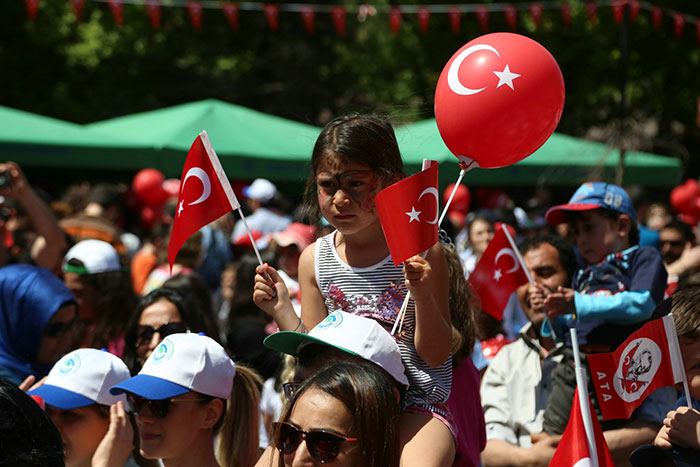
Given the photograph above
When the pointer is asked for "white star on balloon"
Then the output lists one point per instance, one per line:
(497, 274)
(413, 215)
(506, 77)
(179, 210)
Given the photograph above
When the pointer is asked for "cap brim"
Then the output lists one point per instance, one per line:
(557, 214)
(150, 387)
(289, 342)
(61, 398)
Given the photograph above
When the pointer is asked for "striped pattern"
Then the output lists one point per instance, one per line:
(377, 292)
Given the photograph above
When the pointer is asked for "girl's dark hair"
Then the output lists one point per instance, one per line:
(368, 140)
(189, 314)
(27, 435)
(461, 308)
(192, 285)
(368, 394)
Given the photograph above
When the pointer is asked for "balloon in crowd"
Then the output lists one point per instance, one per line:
(148, 187)
(498, 99)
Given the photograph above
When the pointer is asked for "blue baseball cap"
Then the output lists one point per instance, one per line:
(594, 195)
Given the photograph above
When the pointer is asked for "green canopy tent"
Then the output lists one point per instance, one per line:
(249, 143)
(561, 161)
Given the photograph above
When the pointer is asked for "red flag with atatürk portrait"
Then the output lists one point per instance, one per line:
(409, 213)
(205, 194)
(497, 274)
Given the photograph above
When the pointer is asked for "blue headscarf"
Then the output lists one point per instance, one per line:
(29, 297)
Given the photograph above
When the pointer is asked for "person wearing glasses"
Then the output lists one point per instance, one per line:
(346, 415)
(680, 254)
(94, 425)
(187, 392)
(37, 313)
(162, 312)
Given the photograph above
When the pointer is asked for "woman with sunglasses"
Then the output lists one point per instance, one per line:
(345, 416)
(37, 313)
(162, 312)
(188, 391)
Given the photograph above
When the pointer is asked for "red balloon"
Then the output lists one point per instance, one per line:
(151, 216)
(684, 198)
(171, 187)
(148, 186)
(498, 99)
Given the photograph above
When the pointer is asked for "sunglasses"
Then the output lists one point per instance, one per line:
(673, 243)
(323, 446)
(290, 389)
(158, 407)
(60, 328)
(144, 333)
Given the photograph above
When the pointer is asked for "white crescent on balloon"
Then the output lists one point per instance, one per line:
(507, 252)
(433, 191)
(453, 73)
(206, 184)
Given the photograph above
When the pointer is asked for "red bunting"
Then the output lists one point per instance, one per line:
(618, 10)
(78, 8)
(656, 14)
(395, 19)
(231, 13)
(592, 9)
(482, 15)
(195, 11)
(678, 24)
(308, 16)
(698, 97)
(455, 15)
(272, 12)
(697, 29)
(423, 18)
(117, 9)
(566, 14)
(536, 13)
(511, 16)
(338, 14)
(32, 6)
(634, 10)
(153, 9)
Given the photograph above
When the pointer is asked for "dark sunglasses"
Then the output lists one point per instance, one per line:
(323, 446)
(673, 243)
(144, 333)
(159, 407)
(60, 328)
(290, 389)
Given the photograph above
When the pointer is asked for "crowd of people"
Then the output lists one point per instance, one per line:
(224, 359)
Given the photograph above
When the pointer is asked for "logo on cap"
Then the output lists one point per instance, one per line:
(332, 320)
(70, 365)
(164, 351)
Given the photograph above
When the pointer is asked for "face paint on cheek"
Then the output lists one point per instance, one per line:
(366, 199)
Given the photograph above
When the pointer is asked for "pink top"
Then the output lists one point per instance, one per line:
(465, 405)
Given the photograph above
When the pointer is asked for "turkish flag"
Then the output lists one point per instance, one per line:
(409, 213)
(195, 11)
(647, 360)
(497, 274)
(338, 14)
(572, 449)
(308, 15)
(117, 9)
(205, 194)
(423, 18)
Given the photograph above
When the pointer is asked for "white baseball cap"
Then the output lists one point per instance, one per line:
(95, 255)
(83, 377)
(260, 190)
(182, 363)
(350, 333)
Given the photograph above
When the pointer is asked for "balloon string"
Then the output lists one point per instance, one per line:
(454, 190)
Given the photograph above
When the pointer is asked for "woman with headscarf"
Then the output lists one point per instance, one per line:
(37, 312)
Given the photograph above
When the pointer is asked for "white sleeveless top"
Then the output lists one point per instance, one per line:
(377, 292)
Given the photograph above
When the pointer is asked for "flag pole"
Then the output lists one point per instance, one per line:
(223, 179)
(582, 386)
(527, 273)
(674, 351)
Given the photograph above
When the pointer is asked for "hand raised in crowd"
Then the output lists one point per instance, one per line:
(18, 185)
(681, 427)
(418, 274)
(535, 296)
(115, 448)
(560, 302)
(688, 261)
(270, 293)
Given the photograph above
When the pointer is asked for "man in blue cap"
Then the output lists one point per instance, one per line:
(612, 295)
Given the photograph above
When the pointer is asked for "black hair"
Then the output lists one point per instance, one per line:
(27, 435)
(684, 229)
(192, 285)
(567, 256)
(368, 140)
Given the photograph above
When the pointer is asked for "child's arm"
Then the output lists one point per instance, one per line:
(313, 306)
(270, 294)
(428, 282)
(683, 427)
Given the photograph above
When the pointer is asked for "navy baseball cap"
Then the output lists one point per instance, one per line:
(594, 195)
